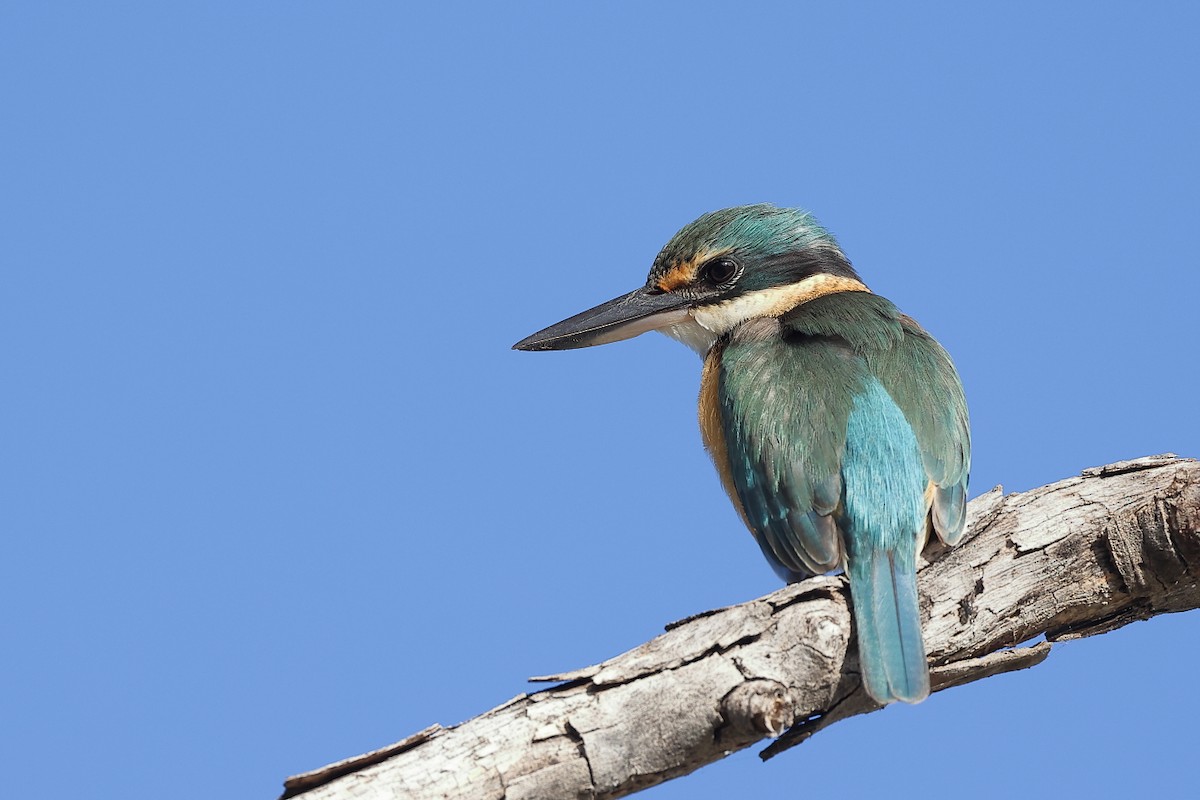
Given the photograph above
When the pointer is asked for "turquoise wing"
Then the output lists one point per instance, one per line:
(784, 407)
(920, 376)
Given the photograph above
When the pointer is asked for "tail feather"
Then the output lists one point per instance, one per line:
(883, 588)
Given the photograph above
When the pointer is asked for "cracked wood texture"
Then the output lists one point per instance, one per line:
(1079, 557)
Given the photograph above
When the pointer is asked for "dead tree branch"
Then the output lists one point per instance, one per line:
(1076, 558)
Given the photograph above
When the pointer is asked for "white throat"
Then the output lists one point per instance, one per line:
(693, 334)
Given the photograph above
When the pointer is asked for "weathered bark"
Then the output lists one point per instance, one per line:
(1076, 558)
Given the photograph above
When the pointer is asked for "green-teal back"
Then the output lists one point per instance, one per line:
(848, 439)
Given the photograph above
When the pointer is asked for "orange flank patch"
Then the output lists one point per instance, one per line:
(711, 430)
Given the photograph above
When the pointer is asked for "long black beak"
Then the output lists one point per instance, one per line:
(623, 318)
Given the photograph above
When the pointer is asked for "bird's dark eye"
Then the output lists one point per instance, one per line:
(720, 270)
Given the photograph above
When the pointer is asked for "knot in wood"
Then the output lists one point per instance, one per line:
(756, 708)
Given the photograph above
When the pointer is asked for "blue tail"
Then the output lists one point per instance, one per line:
(883, 517)
(883, 588)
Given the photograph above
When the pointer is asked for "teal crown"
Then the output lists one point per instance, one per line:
(777, 245)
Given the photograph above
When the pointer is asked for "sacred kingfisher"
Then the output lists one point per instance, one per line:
(837, 424)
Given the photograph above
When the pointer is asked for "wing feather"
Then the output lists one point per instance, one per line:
(784, 448)
(785, 392)
(920, 376)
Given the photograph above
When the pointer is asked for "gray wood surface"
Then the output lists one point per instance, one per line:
(1076, 558)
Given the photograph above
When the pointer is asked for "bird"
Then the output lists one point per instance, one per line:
(838, 426)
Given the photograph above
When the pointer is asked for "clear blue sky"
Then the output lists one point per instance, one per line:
(275, 490)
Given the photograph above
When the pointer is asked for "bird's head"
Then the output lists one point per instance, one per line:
(723, 269)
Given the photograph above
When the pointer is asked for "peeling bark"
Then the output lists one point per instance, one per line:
(1076, 558)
